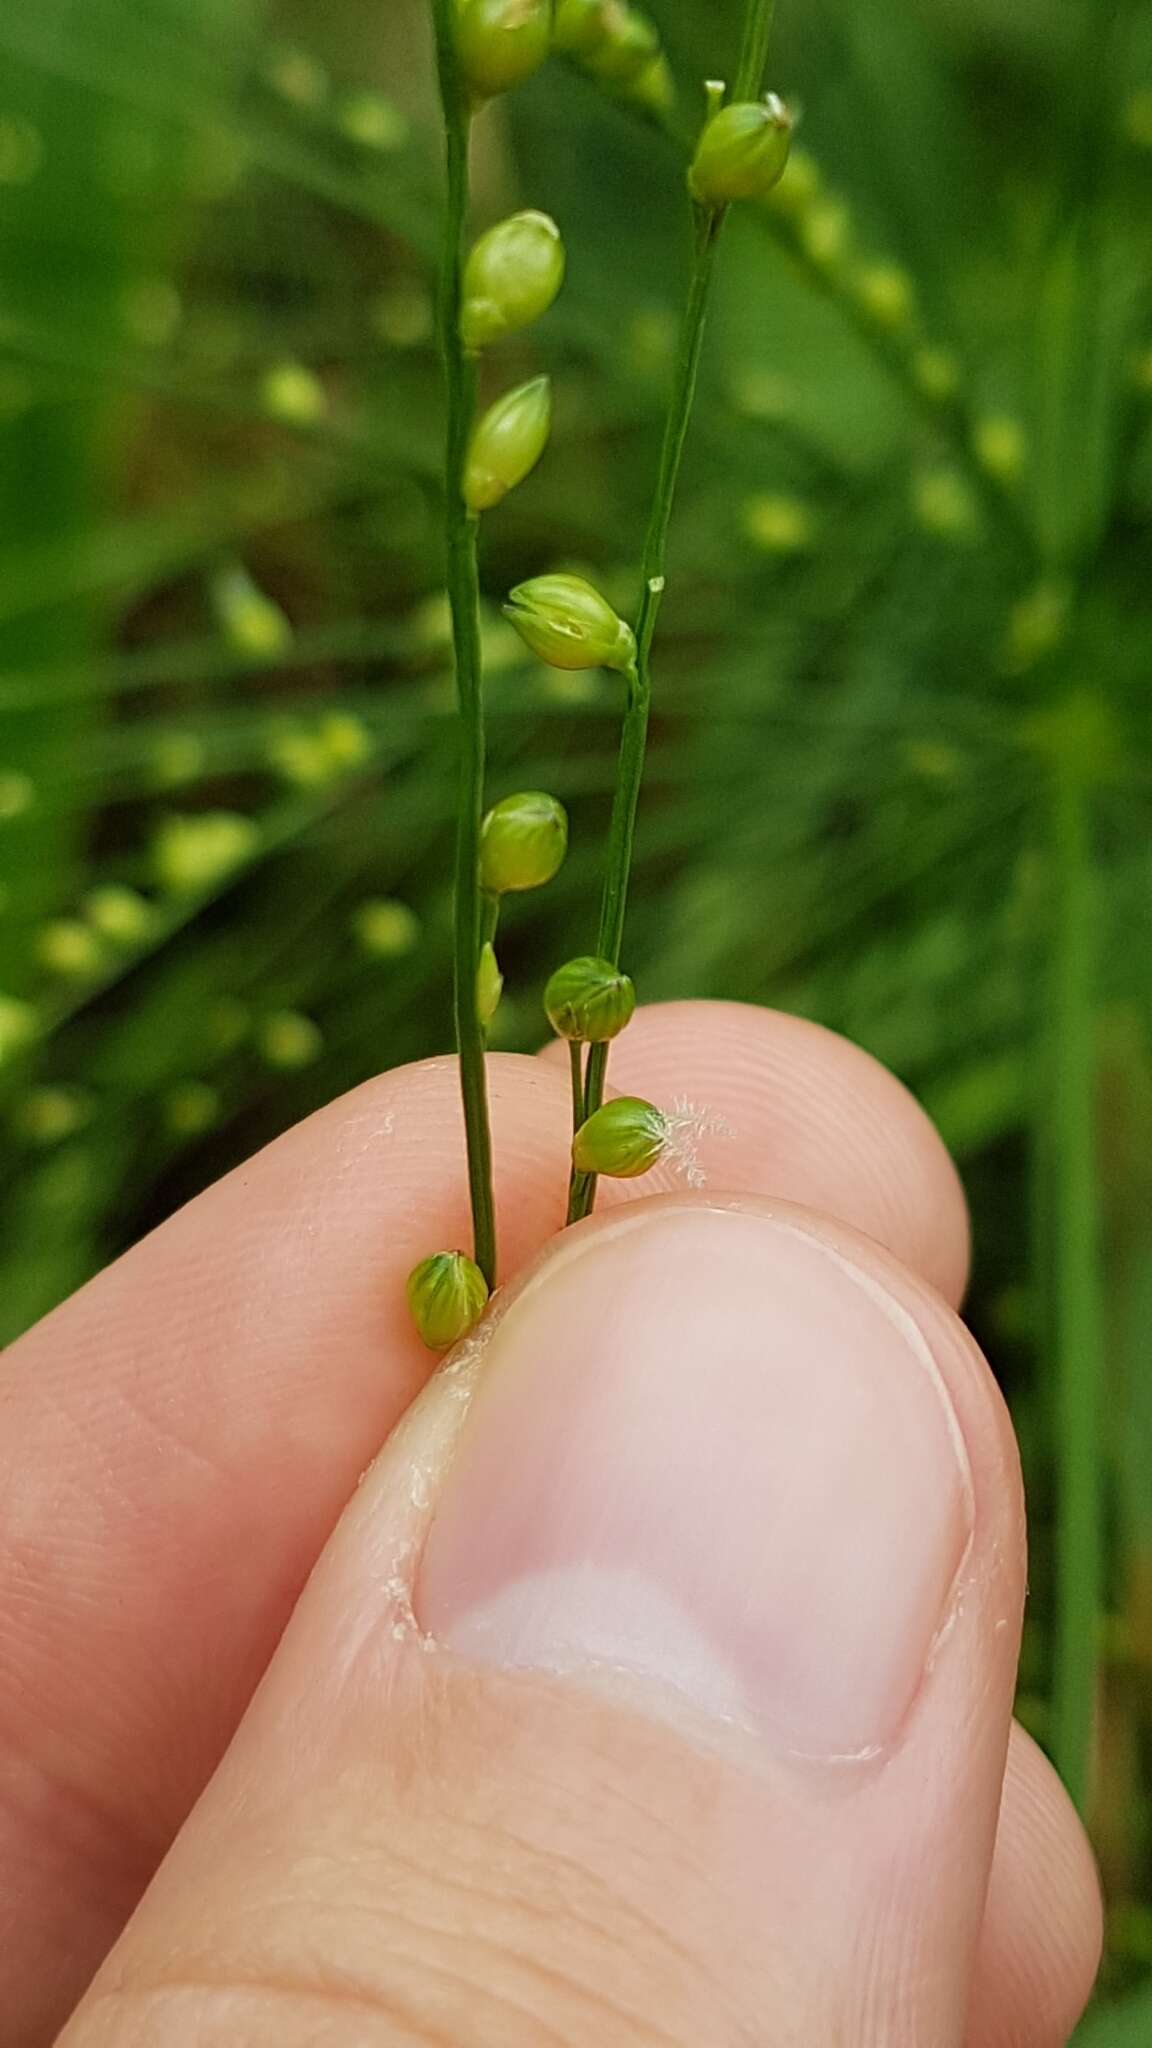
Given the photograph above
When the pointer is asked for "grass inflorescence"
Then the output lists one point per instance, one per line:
(512, 275)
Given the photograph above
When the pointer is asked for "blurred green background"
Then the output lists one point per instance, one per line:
(901, 775)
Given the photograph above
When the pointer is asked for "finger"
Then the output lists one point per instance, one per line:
(691, 1594)
(1043, 1923)
(792, 1109)
(181, 1436)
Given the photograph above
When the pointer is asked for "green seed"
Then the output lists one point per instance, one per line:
(446, 1295)
(741, 153)
(193, 853)
(589, 1001)
(289, 1040)
(500, 43)
(653, 88)
(523, 841)
(507, 444)
(385, 928)
(580, 25)
(68, 947)
(18, 1022)
(253, 626)
(119, 914)
(489, 985)
(628, 47)
(512, 276)
(607, 37)
(568, 624)
(623, 1139)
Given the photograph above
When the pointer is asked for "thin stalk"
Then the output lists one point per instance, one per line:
(951, 416)
(576, 1064)
(634, 737)
(464, 597)
(1077, 1294)
(754, 50)
(707, 225)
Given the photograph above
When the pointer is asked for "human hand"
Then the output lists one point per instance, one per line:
(654, 1687)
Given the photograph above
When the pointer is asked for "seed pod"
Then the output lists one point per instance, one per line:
(18, 1023)
(579, 26)
(66, 946)
(511, 278)
(507, 444)
(196, 852)
(293, 394)
(119, 914)
(253, 626)
(289, 1040)
(623, 1139)
(1000, 446)
(385, 928)
(626, 46)
(568, 624)
(741, 153)
(653, 87)
(446, 1295)
(523, 841)
(489, 985)
(589, 1001)
(608, 38)
(500, 43)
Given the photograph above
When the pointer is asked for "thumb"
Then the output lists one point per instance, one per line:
(657, 1680)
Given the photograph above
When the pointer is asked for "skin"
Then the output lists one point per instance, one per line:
(366, 1843)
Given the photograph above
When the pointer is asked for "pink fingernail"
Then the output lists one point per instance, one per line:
(708, 1451)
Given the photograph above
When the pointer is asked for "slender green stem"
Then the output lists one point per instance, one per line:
(634, 736)
(464, 596)
(754, 50)
(622, 831)
(576, 1063)
(1079, 1331)
(950, 414)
